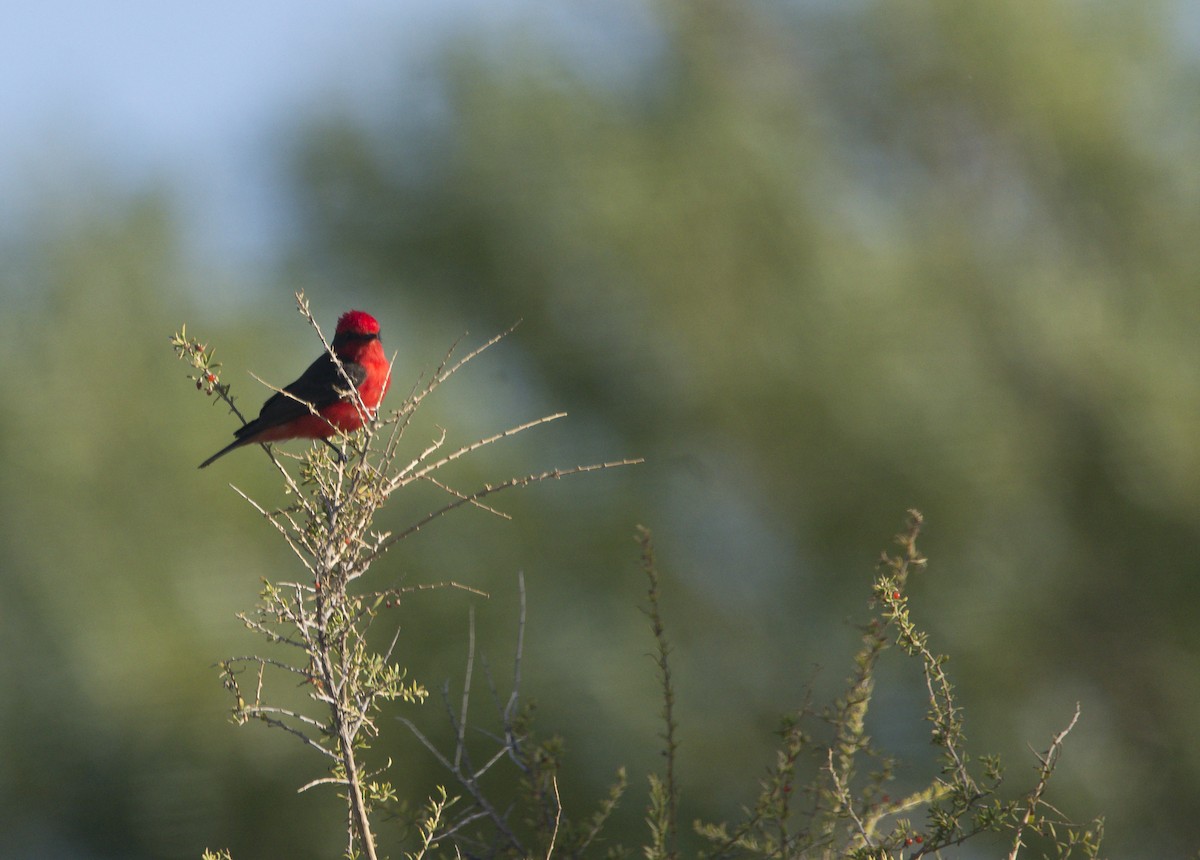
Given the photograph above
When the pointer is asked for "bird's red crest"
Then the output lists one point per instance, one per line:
(357, 322)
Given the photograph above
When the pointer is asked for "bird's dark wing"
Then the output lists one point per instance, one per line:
(319, 385)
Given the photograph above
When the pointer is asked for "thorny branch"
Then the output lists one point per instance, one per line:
(328, 527)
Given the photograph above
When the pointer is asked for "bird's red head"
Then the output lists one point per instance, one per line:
(357, 322)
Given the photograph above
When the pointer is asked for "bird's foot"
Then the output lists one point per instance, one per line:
(338, 452)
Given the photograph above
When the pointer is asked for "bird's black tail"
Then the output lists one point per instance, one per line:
(236, 443)
(244, 435)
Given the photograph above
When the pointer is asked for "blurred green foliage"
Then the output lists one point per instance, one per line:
(816, 262)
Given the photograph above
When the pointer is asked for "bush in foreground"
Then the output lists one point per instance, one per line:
(825, 796)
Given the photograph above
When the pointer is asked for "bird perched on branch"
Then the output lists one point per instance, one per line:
(320, 404)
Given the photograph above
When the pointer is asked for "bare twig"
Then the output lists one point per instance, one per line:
(461, 745)
(490, 489)
(1046, 762)
(510, 710)
(404, 477)
(557, 816)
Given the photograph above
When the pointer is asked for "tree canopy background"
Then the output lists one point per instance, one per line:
(816, 262)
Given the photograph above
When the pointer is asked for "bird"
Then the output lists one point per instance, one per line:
(357, 346)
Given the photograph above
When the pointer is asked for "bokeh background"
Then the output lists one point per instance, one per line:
(817, 262)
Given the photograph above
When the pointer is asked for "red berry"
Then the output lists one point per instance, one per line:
(920, 839)
(895, 595)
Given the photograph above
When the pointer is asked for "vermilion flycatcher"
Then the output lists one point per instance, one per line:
(356, 343)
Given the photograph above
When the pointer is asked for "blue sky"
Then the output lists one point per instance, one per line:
(198, 94)
(202, 96)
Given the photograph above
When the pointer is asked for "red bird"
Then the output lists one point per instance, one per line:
(356, 343)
